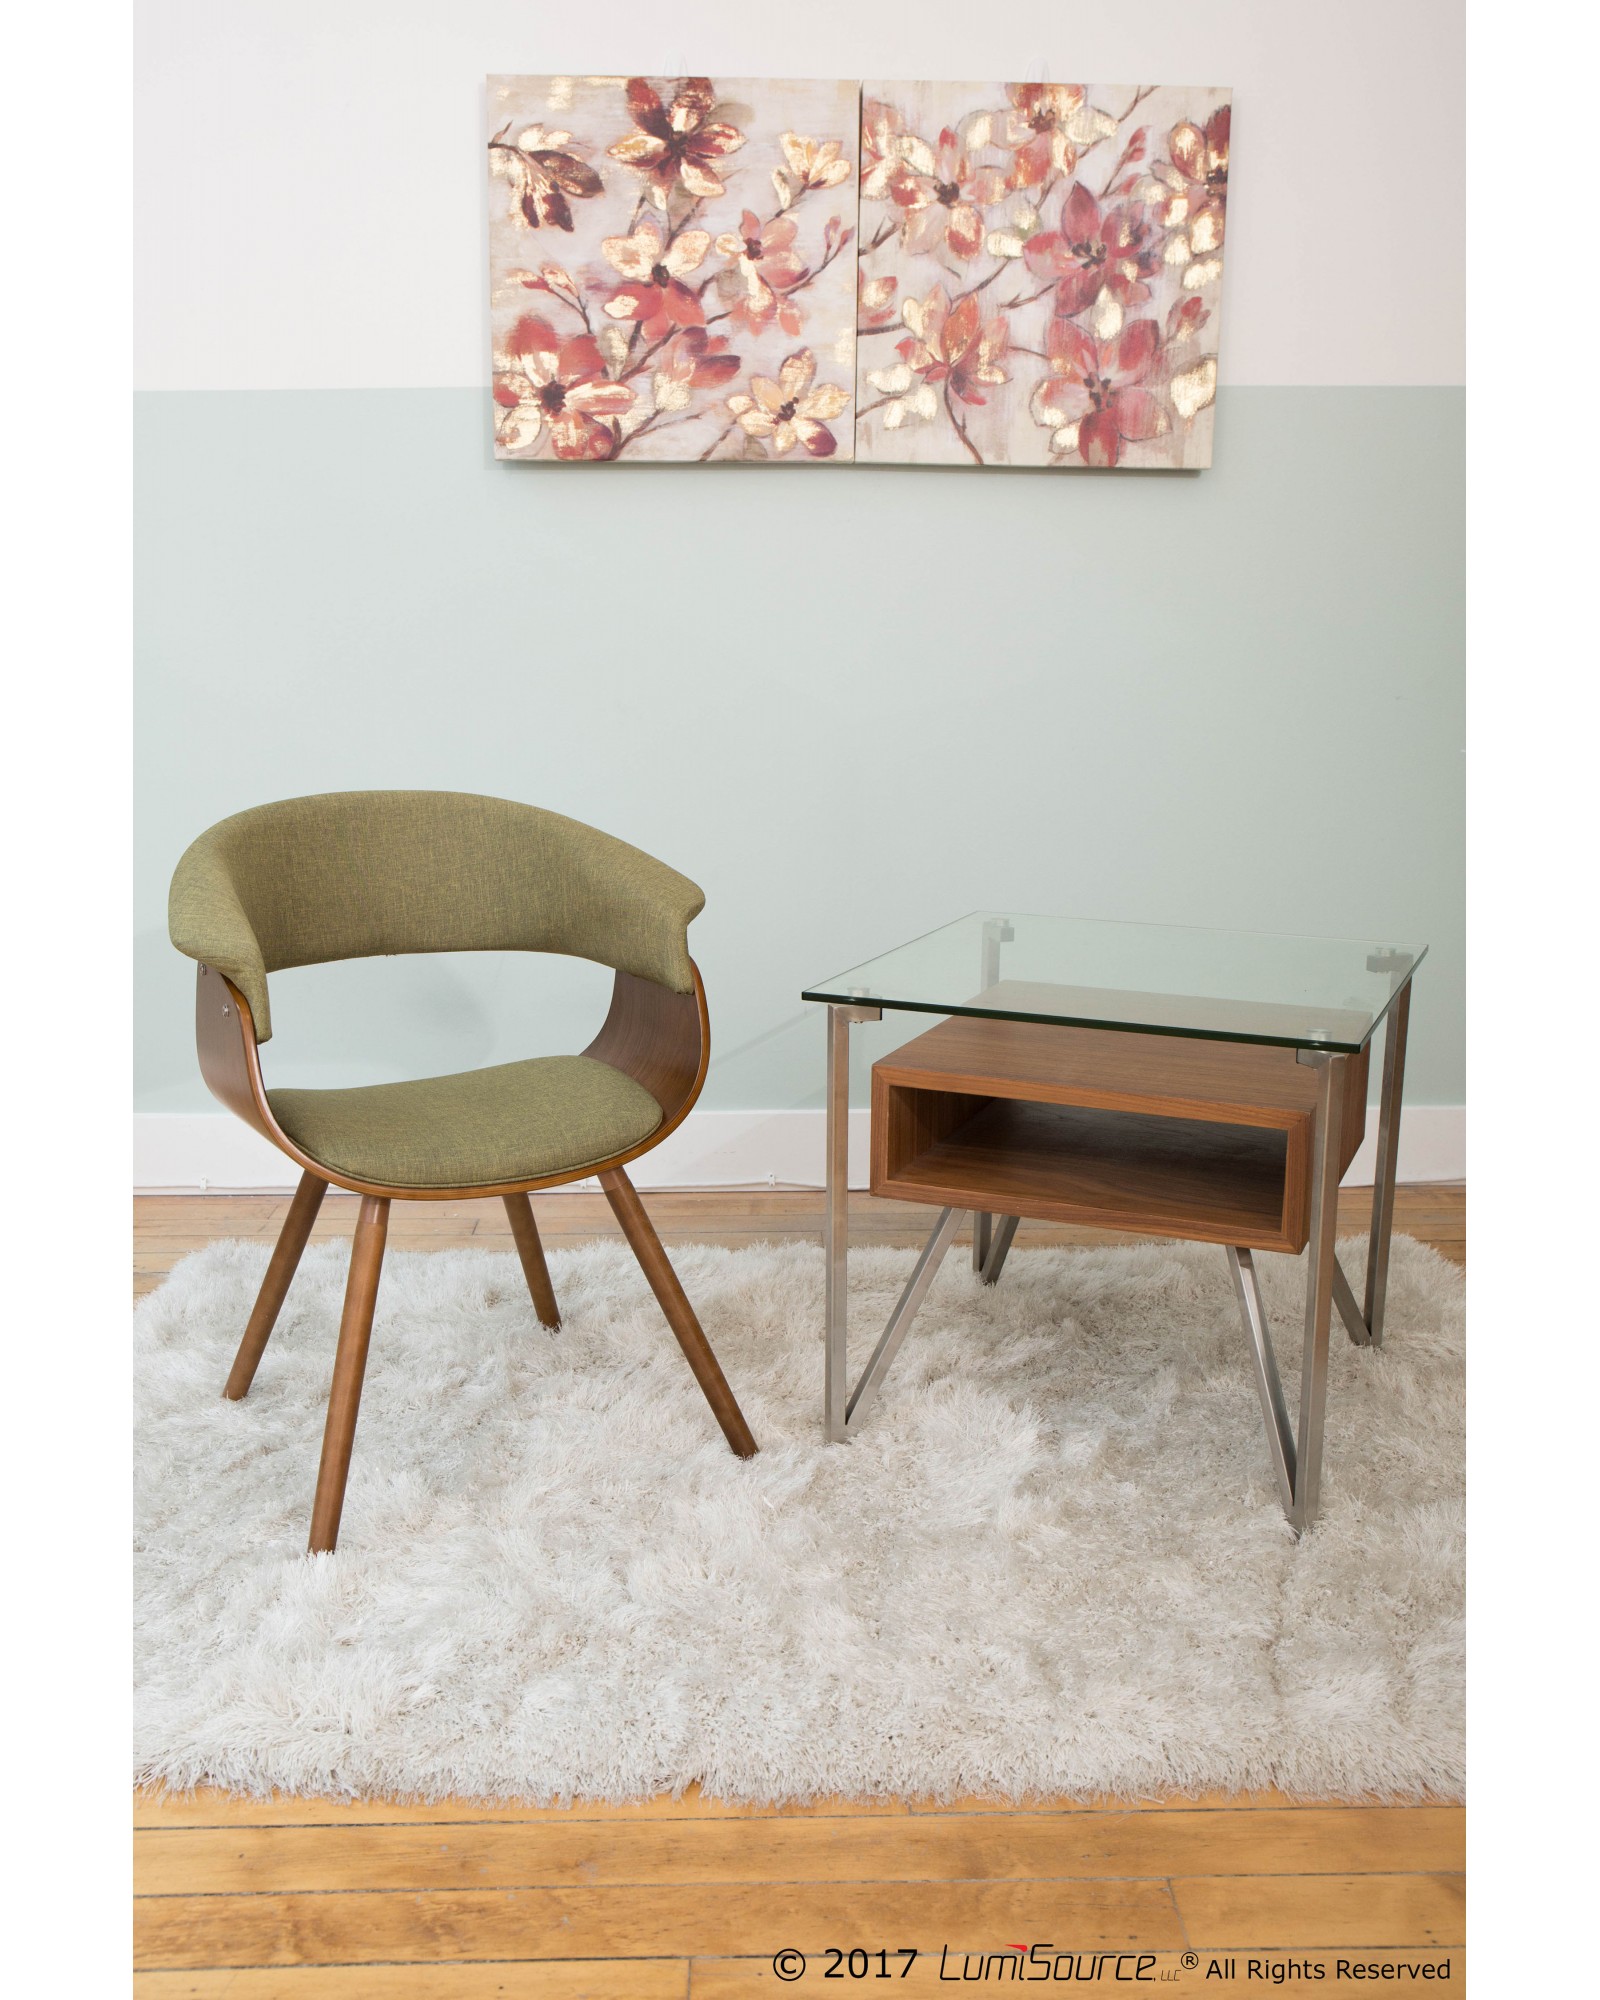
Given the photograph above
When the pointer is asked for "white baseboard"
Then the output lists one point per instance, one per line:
(211, 1152)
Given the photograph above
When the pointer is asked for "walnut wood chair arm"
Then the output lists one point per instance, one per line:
(230, 1063)
(661, 1039)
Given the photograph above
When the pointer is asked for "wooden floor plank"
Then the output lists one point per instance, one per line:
(169, 1227)
(541, 1979)
(1167, 1802)
(1222, 1911)
(911, 1848)
(721, 1920)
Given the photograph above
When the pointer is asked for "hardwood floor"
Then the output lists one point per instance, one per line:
(167, 1227)
(689, 1899)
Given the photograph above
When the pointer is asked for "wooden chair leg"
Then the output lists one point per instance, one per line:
(531, 1251)
(646, 1246)
(350, 1365)
(275, 1285)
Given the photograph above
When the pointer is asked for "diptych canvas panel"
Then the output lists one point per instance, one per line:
(791, 272)
(1041, 270)
(672, 268)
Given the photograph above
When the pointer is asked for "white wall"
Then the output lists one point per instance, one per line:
(1231, 698)
(309, 177)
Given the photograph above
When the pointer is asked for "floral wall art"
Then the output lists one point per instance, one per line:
(782, 272)
(1041, 269)
(672, 268)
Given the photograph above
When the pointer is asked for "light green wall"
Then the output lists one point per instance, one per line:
(850, 703)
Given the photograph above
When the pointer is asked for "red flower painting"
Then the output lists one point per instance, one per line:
(1055, 252)
(699, 268)
(702, 303)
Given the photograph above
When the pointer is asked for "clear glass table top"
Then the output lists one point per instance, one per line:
(1162, 979)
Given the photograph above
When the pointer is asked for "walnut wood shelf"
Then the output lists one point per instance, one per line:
(1152, 1134)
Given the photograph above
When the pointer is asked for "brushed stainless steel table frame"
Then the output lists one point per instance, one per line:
(1296, 1456)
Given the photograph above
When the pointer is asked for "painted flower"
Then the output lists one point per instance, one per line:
(691, 360)
(790, 411)
(543, 174)
(943, 195)
(1094, 400)
(881, 131)
(875, 300)
(1038, 129)
(762, 265)
(540, 379)
(906, 395)
(953, 347)
(1201, 156)
(680, 146)
(1185, 321)
(655, 268)
(1093, 251)
(1189, 196)
(812, 163)
(1193, 387)
(1016, 229)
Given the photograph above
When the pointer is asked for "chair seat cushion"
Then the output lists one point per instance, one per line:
(514, 1122)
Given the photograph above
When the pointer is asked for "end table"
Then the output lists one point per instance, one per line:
(1168, 1081)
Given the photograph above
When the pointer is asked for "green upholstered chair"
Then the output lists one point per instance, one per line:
(358, 874)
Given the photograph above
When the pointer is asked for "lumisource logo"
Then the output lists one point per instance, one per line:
(1018, 1963)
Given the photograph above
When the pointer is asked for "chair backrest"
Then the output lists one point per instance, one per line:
(359, 874)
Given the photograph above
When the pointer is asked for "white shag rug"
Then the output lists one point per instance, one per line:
(1053, 1563)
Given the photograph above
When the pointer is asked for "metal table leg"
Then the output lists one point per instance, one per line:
(997, 1248)
(923, 1273)
(1274, 1411)
(1383, 1180)
(842, 1408)
(1319, 1286)
(836, 1217)
(996, 932)
(1297, 1464)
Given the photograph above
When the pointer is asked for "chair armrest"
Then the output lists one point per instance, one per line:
(225, 1041)
(207, 922)
(661, 1039)
(630, 911)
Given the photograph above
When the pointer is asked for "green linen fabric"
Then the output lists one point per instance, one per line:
(513, 1122)
(360, 874)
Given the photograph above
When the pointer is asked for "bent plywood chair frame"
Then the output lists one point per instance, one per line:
(659, 1038)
